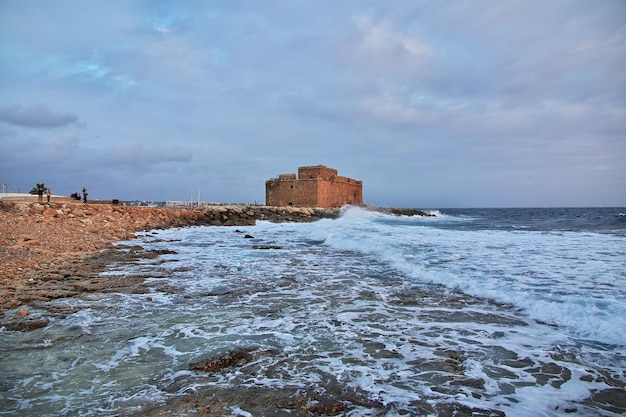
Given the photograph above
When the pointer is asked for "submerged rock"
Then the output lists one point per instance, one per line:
(236, 357)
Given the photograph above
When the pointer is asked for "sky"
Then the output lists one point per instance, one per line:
(431, 104)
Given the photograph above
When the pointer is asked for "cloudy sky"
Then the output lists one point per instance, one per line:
(431, 104)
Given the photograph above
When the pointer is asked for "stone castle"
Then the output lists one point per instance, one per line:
(315, 186)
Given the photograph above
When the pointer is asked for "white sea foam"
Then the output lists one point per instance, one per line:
(569, 279)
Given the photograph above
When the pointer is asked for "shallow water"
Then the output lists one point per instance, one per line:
(407, 315)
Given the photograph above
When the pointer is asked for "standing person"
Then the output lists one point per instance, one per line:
(48, 194)
(40, 192)
(84, 195)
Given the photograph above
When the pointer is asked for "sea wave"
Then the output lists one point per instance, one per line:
(564, 278)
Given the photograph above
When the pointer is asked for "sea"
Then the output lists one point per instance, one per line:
(516, 312)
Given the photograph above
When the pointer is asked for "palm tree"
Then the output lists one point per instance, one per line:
(38, 187)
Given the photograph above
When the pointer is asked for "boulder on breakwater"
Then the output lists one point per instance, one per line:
(403, 211)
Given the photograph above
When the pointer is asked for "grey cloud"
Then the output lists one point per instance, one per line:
(140, 156)
(463, 97)
(37, 116)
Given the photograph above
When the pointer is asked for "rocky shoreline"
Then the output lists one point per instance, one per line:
(57, 250)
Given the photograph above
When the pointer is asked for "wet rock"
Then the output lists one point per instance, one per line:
(26, 325)
(237, 357)
(378, 350)
(477, 383)
(453, 361)
(613, 400)
(461, 410)
(326, 398)
(402, 211)
(326, 406)
(518, 363)
(587, 378)
(551, 373)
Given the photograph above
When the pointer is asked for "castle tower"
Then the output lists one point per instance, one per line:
(315, 186)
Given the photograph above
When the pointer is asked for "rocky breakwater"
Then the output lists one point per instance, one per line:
(56, 250)
(248, 215)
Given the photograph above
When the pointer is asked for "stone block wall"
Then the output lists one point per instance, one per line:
(320, 172)
(339, 191)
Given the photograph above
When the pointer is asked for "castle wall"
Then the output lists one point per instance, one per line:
(340, 191)
(316, 186)
(295, 193)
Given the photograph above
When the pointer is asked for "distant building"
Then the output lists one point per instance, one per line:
(191, 204)
(315, 186)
